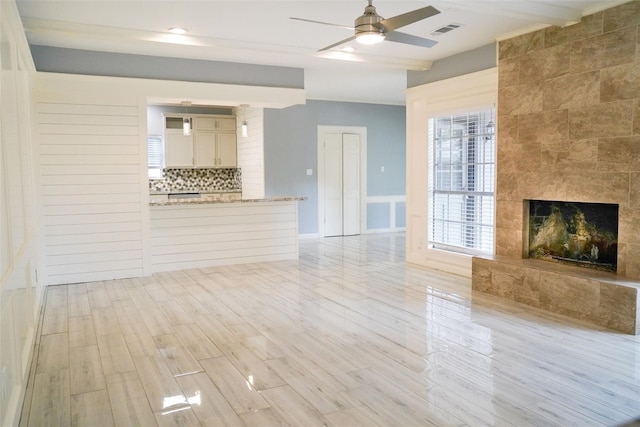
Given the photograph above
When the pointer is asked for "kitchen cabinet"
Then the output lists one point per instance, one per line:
(212, 143)
(214, 123)
(215, 149)
(178, 149)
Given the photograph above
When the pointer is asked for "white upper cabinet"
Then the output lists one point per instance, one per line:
(227, 150)
(178, 149)
(212, 142)
(206, 148)
(215, 149)
(215, 123)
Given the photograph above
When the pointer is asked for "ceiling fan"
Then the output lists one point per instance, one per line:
(371, 28)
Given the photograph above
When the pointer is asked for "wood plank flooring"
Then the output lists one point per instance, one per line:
(348, 335)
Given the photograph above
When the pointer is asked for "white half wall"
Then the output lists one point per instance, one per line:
(208, 235)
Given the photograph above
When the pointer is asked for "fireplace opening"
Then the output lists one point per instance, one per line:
(583, 234)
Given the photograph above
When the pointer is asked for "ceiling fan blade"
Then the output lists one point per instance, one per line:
(337, 44)
(398, 37)
(398, 21)
(323, 23)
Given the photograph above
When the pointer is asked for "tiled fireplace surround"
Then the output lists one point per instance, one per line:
(569, 129)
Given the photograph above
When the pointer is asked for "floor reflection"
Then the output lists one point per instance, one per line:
(348, 335)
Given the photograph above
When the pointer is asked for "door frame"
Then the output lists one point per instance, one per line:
(362, 132)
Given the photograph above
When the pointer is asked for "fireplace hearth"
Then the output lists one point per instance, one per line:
(581, 234)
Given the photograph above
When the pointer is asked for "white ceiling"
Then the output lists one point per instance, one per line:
(260, 32)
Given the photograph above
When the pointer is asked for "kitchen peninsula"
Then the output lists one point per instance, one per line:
(199, 217)
(200, 233)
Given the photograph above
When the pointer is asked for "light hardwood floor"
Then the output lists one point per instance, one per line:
(349, 335)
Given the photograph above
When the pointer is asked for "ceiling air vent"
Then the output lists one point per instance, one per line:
(443, 30)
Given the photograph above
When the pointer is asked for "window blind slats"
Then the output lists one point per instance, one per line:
(155, 154)
(461, 184)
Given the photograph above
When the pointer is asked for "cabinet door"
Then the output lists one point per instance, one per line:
(227, 153)
(204, 123)
(205, 142)
(178, 149)
(226, 124)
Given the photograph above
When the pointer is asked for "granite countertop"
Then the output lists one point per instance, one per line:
(217, 202)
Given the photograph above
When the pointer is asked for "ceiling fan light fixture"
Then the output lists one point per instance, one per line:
(371, 28)
(367, 26)
(369, 38)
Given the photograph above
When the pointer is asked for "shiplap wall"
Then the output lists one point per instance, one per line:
(91, 131)
(251, 152)
(199, 235)
(90, 163)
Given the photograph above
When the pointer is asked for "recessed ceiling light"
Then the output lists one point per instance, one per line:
(178, 30)
(348, 49)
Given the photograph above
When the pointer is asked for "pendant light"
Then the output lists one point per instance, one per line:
(186, 126)
(186, 121)
(245, 126)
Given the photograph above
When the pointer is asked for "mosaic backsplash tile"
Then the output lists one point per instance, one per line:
(198, 180)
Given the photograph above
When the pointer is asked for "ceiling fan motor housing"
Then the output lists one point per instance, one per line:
(367, 23)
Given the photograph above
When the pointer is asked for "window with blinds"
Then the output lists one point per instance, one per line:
(155, 153)
(461, 182)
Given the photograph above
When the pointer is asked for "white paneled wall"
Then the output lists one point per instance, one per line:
(200, 235)
(90, 163)
(20, 292)
(391, 202)
(251, 152)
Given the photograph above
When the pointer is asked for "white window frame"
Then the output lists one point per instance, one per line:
(471, 92)
(476, 188)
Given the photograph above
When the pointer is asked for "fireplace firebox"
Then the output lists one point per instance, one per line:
(582, 234)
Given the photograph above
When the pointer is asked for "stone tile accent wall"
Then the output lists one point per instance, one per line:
(197, 180)
(569, 125)
(576, 292)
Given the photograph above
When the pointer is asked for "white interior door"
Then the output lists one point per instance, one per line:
(341, 184)
(333, 184)
(350, 184)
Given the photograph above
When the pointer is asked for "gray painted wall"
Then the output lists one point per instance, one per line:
(76, 61)
(290, 145)
(479, 59)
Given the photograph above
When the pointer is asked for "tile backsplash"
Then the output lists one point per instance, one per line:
(198, 180)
